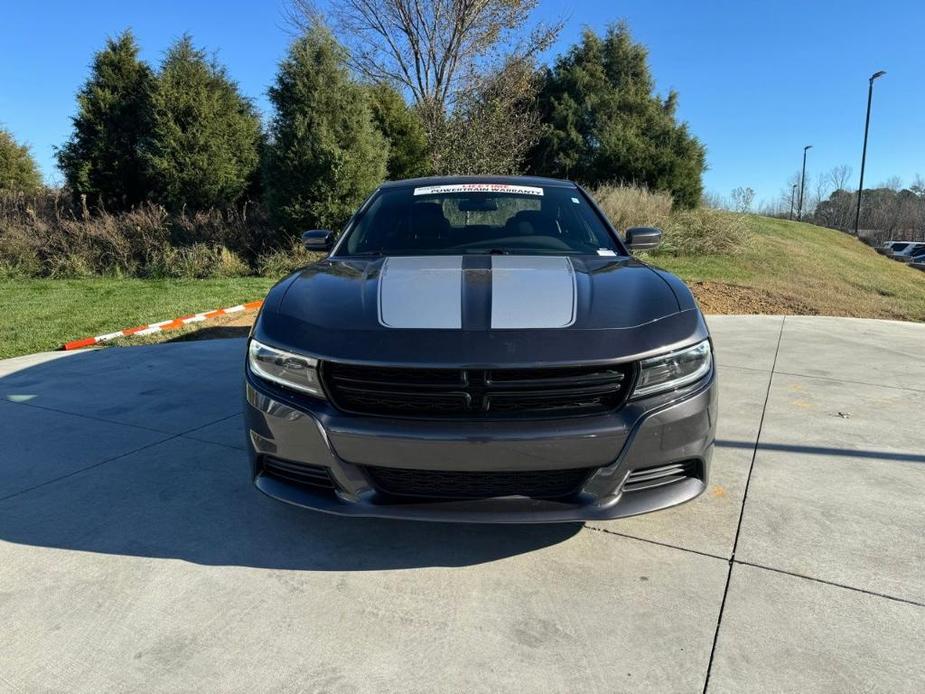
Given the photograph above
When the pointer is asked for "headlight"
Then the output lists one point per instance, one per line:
(291, 370)
(674, 370)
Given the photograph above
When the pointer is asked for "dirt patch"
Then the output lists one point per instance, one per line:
(719, 297)
(235, 325)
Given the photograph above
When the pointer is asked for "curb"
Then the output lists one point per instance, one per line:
(149, 328)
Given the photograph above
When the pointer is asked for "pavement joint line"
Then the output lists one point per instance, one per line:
(744, 368)
(742, 562)
(873, 593)
(656, 542)
(748, 480)
(92, 417)
(239, 449)
(239, 413)
(845, 380)
(88, 467)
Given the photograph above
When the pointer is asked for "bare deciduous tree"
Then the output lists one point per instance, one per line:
(493, 125)
(468, 66)
(918, 185)
(894, 183)
(820, 193)
(839, 177)
(432, 48)
(789, 195)
(742, 198)
(713, 200)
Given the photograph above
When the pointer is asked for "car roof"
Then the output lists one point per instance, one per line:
(503, 180)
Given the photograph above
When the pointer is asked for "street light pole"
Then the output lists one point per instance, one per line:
(793, 194)
(802, 184)
(870, 96)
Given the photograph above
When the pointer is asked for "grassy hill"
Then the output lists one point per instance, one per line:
(798, 268)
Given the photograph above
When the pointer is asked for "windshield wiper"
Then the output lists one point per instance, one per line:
(491, 251)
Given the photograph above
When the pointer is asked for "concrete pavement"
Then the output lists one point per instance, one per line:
(134, 555)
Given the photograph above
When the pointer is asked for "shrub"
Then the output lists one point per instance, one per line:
(325, 155)
(101, 159)
(605, 123)
(203, 149)
(18, 171)
(402, 129)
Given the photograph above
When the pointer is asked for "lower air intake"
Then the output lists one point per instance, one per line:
(443, 484)
(300, 473)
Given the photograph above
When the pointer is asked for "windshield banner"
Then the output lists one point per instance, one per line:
(479, 188)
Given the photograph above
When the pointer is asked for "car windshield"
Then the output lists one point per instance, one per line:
(486, 218)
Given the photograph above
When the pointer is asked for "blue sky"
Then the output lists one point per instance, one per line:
(757, 81)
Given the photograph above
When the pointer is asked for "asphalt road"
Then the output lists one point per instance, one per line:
(135, 556)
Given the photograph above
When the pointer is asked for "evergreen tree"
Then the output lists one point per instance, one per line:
(203, 150)
(605, 123)
(402, 129)
(101, 159)
(18, 170)
(325, 155)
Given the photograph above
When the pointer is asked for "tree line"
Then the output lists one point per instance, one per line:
(368, 92)
(888, 210)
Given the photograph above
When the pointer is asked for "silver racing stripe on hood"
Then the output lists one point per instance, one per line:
(421, 292)
(532, 292)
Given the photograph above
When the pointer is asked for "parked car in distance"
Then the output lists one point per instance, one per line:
(887, 247)
(481, 349)
(917, 256)
(905, 253)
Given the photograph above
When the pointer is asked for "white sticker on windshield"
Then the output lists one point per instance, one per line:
(576, 201)
(479, 188)
(605, 251)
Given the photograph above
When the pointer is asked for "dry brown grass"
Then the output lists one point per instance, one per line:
(633, 206)
(278, 262)
(686, 232)
(43, 236)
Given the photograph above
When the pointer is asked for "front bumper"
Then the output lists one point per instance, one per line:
(648, 433)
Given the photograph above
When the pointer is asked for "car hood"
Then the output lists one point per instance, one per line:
(477, 310)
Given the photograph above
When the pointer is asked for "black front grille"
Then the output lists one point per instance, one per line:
(477, 393)
(647, 478)
(300, 473)
(449, 484)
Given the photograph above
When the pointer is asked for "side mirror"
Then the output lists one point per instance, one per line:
(318, 240)
(643, 238)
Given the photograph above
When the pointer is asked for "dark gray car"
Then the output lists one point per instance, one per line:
(485, 350)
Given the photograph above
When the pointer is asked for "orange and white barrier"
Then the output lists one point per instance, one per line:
(163, 325)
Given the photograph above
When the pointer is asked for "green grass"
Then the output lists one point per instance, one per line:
(39, 314)
(827, 271)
